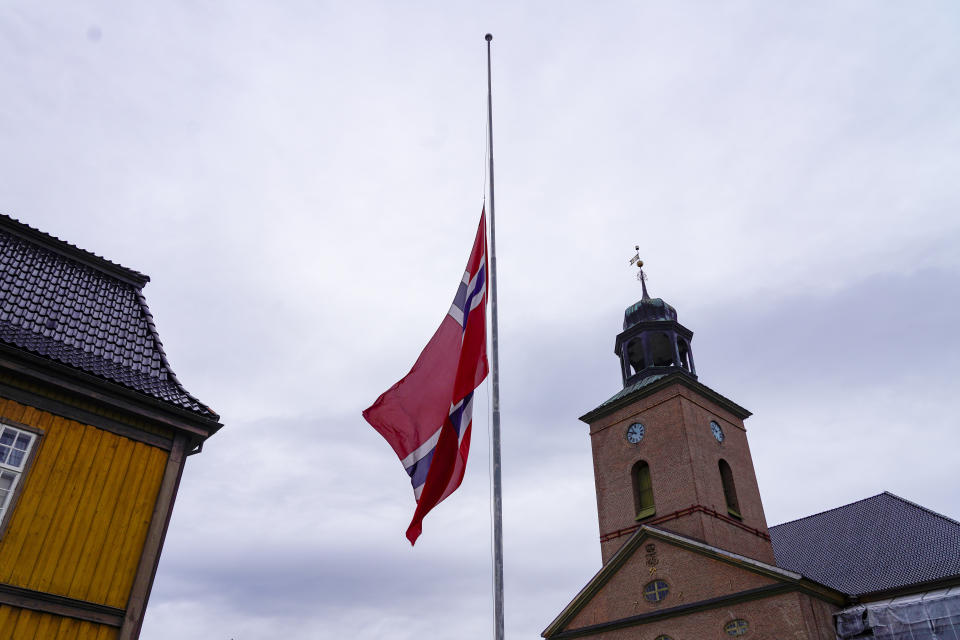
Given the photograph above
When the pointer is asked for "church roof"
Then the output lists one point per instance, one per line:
(73, 307)
(876, 544)
(655, 382)
(629, 390)
(648, 310)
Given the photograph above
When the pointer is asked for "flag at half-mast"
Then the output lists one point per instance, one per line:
(426, 417)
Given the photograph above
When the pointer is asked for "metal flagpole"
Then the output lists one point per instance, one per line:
(495, 380)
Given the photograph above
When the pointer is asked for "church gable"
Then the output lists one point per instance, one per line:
(657, 571)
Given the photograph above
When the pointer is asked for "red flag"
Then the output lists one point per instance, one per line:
(427, 416)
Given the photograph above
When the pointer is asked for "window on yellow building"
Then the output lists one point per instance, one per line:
(15, 447)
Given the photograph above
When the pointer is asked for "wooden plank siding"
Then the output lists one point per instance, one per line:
(23, 624)
(80, 521)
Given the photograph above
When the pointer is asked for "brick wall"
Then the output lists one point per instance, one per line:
(779, 617)
(683, 457)
(693, 578)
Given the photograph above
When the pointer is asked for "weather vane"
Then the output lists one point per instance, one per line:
(641, 276)
(637, 261)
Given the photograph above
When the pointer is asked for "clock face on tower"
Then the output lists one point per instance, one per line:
(635, 433)
(717, 431)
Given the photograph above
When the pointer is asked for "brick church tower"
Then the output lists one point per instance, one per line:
(684, 540)
(669, 451)
(683, 537)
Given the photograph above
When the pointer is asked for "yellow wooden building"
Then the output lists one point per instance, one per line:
(94, 432)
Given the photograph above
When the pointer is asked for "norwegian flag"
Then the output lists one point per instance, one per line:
(426, 416)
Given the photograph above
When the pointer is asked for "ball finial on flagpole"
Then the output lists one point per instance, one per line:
(488, 37)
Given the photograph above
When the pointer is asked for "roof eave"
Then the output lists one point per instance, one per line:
(916, 587)
(52, 243)
(678, 377)
(89, 387)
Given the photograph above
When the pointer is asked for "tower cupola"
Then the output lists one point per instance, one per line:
(652, 343)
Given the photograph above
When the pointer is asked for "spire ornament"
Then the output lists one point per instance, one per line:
(653, 342)
(641, 276)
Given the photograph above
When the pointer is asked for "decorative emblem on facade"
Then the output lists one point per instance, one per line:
(651, 553)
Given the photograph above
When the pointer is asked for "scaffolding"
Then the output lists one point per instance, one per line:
(932, 615)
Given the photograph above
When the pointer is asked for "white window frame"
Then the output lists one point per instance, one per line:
(19, 470)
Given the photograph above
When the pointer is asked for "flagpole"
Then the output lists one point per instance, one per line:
(495, 383)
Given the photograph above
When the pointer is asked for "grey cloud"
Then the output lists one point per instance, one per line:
(297, 181)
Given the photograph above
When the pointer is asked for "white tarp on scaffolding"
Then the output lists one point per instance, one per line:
(933, 615)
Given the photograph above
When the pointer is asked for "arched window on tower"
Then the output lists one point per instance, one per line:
(642, 490)
(729, 490)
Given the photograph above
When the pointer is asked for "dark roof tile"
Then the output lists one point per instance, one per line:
(875, 544)
(73, 307)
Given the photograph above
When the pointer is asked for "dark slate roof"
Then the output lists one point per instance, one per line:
(648, 310)
(656, 381)
(74, 307)
(876, 544)
(636, 386)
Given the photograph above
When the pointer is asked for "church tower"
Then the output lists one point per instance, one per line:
(668, 451)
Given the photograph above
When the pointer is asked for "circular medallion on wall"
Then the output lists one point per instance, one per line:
(656, 591)
(717, 430)
(635, 433)
(736, 627)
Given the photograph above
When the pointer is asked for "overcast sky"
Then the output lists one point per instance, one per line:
(302, 182)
